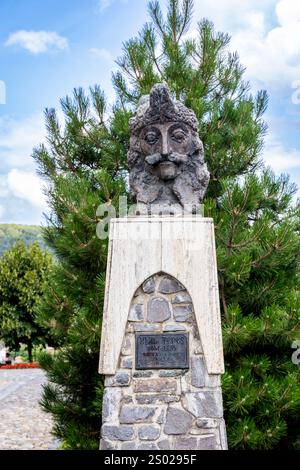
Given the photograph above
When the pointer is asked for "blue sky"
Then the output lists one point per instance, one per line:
(47, 48)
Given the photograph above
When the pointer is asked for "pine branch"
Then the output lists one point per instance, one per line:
(157, 17)
(188, 6)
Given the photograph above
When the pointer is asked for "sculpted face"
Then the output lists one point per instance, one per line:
(168, 174)
(165, 147)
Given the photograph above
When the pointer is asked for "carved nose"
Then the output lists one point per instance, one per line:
(165, 148)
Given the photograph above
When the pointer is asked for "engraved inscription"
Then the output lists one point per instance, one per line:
(162, 351)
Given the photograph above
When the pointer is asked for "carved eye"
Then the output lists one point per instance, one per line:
(178, 135)
(151, 138)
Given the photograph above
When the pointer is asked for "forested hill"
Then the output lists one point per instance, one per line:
(10, 233)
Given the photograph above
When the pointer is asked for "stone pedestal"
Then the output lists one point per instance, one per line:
(162, 280)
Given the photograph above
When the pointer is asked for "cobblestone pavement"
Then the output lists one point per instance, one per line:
(23, 425)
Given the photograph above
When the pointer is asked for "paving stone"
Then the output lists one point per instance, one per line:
(169, 285)
(120, 433)
(199, 373)
(149, 433)
(182, 298)
(161, 417)
(156, 398)
(155, 385)
(106, 445)
(158, 310)
(142, 373)
(134, 414)
(140, 327)
(23, 423)
(120, 379)
(185, 443)
(174, 328)
(205, 404)
(136, 313)
(164, 444)
(129, 446)
(196, 443)
(178, 421)
(111, 404)
(223, 435)
(146, 446)
(198, 348)
(149, 285)
(54, 445)
(183, 313)
(127, 399)
(127, 345)
(171, 373)
(206, 423)
(126, 362)
(208, 442)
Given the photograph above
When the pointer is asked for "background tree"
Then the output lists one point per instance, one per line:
(256, 224)
(11, 233)
(23, 271)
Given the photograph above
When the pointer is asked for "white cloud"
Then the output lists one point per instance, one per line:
(288, 11)
(272, 59)
(2, 92)
(4, 192)
(17, 139)
(104, 4)
(265, 35)
(37, 42)
(101, 53)
(280, 158)
(230, 15)
(26, 185)
(20, 188)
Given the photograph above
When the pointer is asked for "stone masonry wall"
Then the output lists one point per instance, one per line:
(178, 409)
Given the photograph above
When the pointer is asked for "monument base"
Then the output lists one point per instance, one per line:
(162, 353)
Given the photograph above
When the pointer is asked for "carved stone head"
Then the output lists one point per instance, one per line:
(167, 169)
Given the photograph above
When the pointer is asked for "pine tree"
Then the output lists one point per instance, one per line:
(256, 226)
(83, 165)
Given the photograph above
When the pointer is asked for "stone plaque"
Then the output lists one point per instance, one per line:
(162, 351)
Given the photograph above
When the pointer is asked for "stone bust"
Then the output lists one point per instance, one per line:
(166, 159)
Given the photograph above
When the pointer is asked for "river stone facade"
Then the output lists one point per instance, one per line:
(162, 409)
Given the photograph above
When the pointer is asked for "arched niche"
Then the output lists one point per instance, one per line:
(161, 305)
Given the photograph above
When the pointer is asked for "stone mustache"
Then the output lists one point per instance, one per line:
(168, 174)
